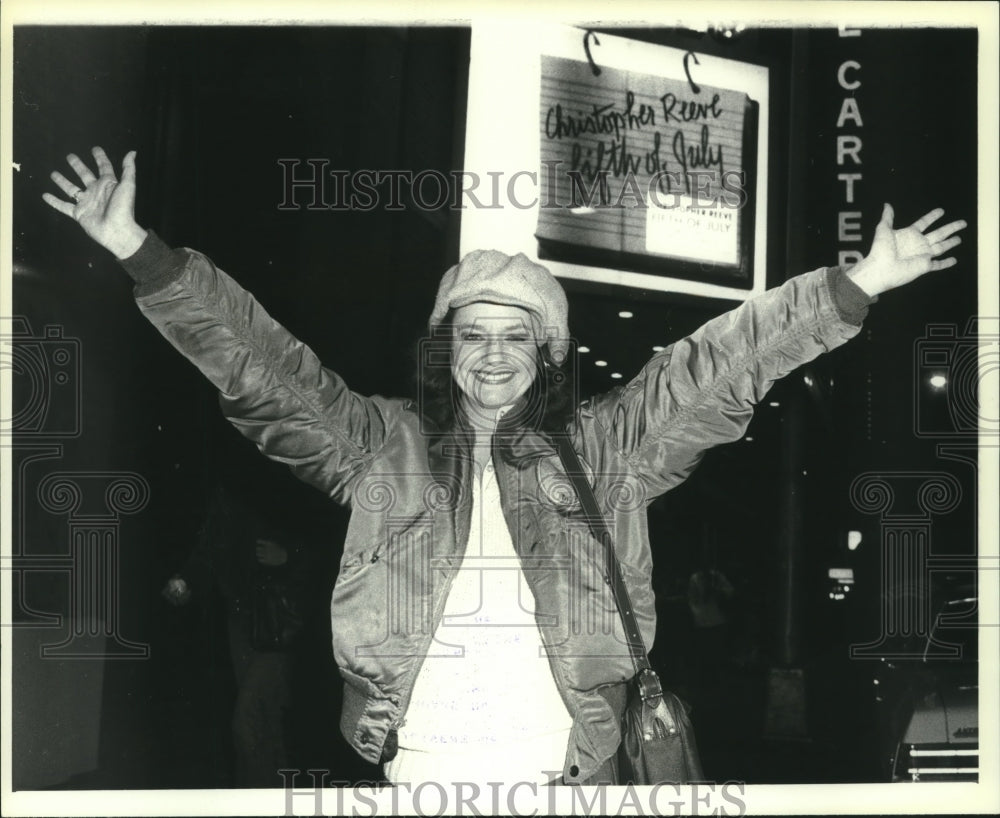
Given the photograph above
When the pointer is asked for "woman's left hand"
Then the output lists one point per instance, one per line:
(899, 256)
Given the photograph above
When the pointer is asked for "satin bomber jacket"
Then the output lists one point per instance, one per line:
(409, 489)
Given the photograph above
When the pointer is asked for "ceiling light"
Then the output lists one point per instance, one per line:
(658, 348)
(600, 363)
(625, 314)
(583, 349)
(616, 375)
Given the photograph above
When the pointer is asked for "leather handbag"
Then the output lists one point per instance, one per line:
(658, 744)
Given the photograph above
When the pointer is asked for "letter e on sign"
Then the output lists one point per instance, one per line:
(849, 225)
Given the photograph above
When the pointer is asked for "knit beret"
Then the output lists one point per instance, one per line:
(489, 275)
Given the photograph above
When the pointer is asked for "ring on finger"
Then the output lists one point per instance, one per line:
(76, 194)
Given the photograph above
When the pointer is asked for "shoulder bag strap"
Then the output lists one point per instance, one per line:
(599, 528)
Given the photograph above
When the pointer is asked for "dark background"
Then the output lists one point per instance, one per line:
(210, 112)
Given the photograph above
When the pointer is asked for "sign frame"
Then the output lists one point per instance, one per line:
(503, 149)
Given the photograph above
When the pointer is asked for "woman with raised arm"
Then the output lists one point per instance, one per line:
(472, 622)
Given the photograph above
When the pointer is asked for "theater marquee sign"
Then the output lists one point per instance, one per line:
(650, 167)
(649, 161)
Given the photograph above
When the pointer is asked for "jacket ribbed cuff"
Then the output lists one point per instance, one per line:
(154, 264)
(850, 300)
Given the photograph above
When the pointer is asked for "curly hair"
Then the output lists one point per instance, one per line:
(549, 405)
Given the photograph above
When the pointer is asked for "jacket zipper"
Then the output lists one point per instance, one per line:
(561, 684)
(404, 700)
(411, 680)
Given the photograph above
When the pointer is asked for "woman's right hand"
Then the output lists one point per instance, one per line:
(104, 207)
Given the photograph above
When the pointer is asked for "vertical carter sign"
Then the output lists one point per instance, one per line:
(639, 166)
(849, 155)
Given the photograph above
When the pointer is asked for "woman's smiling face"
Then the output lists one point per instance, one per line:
(494, 357)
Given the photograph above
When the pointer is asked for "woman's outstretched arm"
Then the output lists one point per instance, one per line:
(272, 387)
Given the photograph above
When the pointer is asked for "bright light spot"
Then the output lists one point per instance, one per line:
(749, 439)
(624, 314)
(853, 540)
(658, 349)
(774, 403)
(582, 211)
(600, 363)
(583, 349)
(938, 381)
(616, 375)
(808, 380)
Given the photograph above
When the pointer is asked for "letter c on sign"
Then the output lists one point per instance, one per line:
(842, 75)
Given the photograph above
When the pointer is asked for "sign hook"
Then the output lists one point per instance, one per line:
(687, 71)
(586, 47)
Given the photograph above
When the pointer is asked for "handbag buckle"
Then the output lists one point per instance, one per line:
(649, 685)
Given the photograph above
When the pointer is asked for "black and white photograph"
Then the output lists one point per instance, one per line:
(482, 409)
